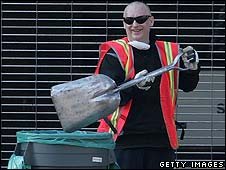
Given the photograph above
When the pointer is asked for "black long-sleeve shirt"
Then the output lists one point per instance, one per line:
(144, 126)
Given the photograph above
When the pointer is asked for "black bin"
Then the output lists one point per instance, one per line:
(60, 150)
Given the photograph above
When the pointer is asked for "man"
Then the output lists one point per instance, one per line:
(144, 125)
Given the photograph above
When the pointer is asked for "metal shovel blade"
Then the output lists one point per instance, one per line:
(82, 102)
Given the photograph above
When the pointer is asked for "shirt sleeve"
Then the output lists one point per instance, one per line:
(112, 68)
(188, 80)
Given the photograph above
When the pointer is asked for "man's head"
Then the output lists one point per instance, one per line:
(138, 21)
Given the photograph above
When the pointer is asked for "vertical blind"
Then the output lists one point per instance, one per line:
(48, 43)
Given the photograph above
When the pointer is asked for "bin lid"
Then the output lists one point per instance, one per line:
(76, 138)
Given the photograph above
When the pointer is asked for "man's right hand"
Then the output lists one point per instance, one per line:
(145, 84)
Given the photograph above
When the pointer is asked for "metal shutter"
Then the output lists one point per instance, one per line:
(47, 43)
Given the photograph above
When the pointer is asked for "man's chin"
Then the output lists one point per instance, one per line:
(137, 38)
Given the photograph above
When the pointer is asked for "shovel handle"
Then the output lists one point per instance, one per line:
(155, 72)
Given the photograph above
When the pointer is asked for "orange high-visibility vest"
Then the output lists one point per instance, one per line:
(168, 86)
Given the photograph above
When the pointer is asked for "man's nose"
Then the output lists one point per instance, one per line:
(135, 23)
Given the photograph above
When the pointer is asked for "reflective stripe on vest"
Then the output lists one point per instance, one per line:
(168, 89)
(168, 51)
(169, 57)
(128, 67)
(125, 54)
(126, 50)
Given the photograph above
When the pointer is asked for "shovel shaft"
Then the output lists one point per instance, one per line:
(140, 79)
(151, 74)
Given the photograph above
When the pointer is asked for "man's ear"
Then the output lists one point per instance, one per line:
(124, 25)
(152, 20)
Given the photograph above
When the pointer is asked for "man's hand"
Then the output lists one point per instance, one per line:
(145, 84)
(190, 58)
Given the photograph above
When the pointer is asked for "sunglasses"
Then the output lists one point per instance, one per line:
(140, 19)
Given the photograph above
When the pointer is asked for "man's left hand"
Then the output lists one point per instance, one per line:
(191, 59)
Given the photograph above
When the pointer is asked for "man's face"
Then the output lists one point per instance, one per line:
(136, 31)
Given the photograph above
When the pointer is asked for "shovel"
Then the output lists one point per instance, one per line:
(82, 102)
